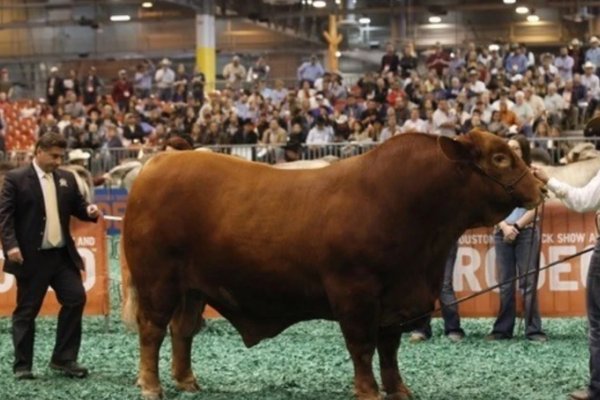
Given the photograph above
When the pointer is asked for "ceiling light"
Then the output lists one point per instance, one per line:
(522, 10)
(120, 18)
(319, 3)
(533, 18)
(509, 1)
(338, 54)
(147, 4)
(364, 20)
(434, 19)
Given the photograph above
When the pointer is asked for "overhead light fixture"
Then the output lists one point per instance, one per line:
(533, 18)
(319, 3)
(147, 4)
(509, 1)
(338, 54)
(364, 20)
(522, 10)
(434, 19)
(120, 18)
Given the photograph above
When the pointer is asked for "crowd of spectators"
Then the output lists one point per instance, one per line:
(505, 89)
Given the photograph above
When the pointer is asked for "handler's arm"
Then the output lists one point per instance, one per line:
(581, 199)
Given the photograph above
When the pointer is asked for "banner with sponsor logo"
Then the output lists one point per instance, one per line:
(90, 240)
(561, 288)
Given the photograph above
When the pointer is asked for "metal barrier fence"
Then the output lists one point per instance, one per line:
(103, 160)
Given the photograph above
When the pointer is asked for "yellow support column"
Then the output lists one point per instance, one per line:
(206, 58)
(333, 39)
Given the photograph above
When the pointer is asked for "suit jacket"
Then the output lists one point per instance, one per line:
(23, 217)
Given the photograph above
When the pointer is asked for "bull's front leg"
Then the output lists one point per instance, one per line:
(388, 343)
(356, 307)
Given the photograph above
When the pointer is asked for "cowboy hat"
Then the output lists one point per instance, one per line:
(77, 155)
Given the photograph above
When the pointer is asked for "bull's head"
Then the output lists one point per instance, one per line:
(500, 174)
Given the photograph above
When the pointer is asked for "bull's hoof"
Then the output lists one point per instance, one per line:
(188, 386)
(151, 395)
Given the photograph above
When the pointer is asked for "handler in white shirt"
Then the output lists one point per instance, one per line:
(583, 199)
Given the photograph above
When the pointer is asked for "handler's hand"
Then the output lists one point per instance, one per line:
(510, 233)
(15, 256)
(540, 174)
(93, 211)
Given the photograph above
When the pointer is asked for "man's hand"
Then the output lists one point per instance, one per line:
(93, 211)
(15, 256)
(540, 174)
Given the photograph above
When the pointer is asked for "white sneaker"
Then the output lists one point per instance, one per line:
(416, 337)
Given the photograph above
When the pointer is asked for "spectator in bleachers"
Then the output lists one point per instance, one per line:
(274, 135)
(165, 79)
(142, 79)
(389, 61)
(234, 72)
(414, 123)
(474, 86)
(438, 60)
(122, 91)
(71, 82)
(524, 113)
(496, 125)
(554, 104)
(112, 137)
(197, 86)
(547, 70)
(535, 102)
(391, 129)
(73, 106)
(54, 87)
(564, 64)
(132, 130)
(6, 85)
(408, 63)
(181, 84)
(572, 95)
(578, 55)
(516, 62)
(259, 72)
(507, 116)
(593, 53)
(445, 121)
(320, 133)
(590, 80)
(310, 70)
(248, 134)
(91, 85)
(473, 123)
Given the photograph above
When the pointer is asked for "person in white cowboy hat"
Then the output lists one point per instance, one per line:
(576, 51)
(77, 164)
(593, 53)
(591, 82)
(165, 79)
(234, 72)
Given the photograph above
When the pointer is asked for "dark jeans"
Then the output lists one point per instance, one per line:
(447, 296)
(593, 314)
(512, 259)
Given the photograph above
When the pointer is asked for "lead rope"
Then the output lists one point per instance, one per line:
(512, 280)
(536, 272)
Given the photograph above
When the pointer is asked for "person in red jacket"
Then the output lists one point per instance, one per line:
(122, 91)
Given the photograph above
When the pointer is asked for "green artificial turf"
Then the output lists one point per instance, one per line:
(309, 362)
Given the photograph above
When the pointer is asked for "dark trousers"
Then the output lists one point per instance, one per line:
(447, 297)
(58, 272)
(512, 259)
(593, 314)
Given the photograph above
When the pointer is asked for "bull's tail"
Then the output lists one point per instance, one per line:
(130, 298)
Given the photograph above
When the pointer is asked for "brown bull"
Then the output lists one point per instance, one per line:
(362, 242)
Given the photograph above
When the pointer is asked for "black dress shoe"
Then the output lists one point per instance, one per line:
(70, 368)
(24, 374)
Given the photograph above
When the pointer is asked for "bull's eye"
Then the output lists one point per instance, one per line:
(501, 160)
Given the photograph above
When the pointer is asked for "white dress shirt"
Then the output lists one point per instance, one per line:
(580, 199)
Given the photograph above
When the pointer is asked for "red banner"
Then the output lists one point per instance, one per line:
(90, 240)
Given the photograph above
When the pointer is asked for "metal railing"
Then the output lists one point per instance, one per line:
(103, 160)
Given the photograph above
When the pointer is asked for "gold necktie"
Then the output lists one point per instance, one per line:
(53, 234)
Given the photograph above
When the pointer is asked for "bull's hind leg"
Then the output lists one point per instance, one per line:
(155, 309)
(387, 347)
(186, 323)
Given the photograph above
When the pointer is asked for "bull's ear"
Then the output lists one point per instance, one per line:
(457, 150)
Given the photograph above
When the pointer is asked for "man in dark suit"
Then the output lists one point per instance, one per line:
(36, 205)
